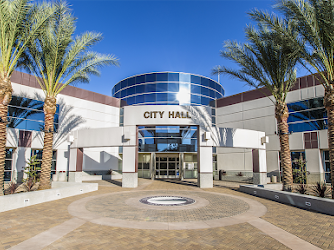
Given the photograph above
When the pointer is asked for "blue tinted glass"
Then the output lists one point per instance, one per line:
(161, 97)
(184, 77)
(185, 88)
(131, 100)
(162, 76)
(173, 87)
(204, 82)
(212, 84)
(39, 116)
(211, 93)
(131, 81)
(316, 103)
(56, 118)
(173, 77)
(171, 97)
(150, 98)
(222, 91)
(34, 125)
(131, 91)
(140, 79)
(297, 106)
(196, 79)
(196, 99)
(150, 87)
(195, 89)
(140, 89)
(308, 126)
(151, 78)
(123, 93)
(118, 95)
(140, 99)
(162, 87)
(205, 100)
(205, 91)
(124, 84)
(117, 87)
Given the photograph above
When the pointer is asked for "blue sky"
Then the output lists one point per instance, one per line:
(154, 35)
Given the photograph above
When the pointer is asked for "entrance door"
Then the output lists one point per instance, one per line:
(167, 166)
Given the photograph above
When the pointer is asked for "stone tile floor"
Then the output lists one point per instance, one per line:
(20, 225)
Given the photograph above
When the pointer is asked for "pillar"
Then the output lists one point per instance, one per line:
(129, 167)
(75, 166)
(204, 168)
(259, 166)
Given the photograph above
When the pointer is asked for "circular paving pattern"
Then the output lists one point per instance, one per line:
(201, 209)
(167, 201)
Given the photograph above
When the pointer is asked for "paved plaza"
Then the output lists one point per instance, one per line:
(114, 218)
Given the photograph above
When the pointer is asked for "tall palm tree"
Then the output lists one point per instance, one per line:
(265, 62)
(314, 20)
(57, 60)
(20, 23)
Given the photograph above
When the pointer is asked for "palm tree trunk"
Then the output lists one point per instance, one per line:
(5, 98)
(329, 104)
(283, 131)
(49, 112)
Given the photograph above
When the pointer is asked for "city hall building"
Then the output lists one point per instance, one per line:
(166, 125)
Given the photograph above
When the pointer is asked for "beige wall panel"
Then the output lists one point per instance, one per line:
(296, 141)
(307, 93)
(273, 143)
(231, 125)
(230, 118)
(319, 91)
(313, 160)
(323, 139)
(293, 96)
(256, 104)
(231, 109)
(272, 161)
(259, 113)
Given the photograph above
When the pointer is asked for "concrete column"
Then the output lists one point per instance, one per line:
(129, 167)
(259, 166)
(76, 163)
(204, 167)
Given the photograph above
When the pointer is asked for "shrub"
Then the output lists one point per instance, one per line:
(240, 174)
(12, 187)
(321, 189)
(302, 189)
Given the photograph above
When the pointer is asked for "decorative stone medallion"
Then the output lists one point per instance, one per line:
(167, 201)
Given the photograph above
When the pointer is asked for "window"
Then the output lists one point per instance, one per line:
(39, 153)
(9, 164)
(326, 165)
(121, 117)
(307, 115)
(27, 114)
(167, 139)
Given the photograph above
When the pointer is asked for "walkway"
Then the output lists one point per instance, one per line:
(113, 218)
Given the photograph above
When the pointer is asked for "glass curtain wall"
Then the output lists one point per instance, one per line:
(167, 139)
(168, 88)
(307, 115)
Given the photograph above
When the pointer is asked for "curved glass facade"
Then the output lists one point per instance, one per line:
(168, 88)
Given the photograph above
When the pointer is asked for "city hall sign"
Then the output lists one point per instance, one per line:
(171, 114)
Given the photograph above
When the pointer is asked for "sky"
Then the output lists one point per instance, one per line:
(155, 35)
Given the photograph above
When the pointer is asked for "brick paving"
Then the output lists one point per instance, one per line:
(21, 224)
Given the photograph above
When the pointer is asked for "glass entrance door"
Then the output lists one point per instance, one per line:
(167, 166)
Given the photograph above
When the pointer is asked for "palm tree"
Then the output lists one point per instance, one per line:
(314, 20)
(57, 60)
(20, 22)
(265, 62)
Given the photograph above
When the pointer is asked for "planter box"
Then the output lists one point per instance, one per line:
(322, 205)
(59, 190)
